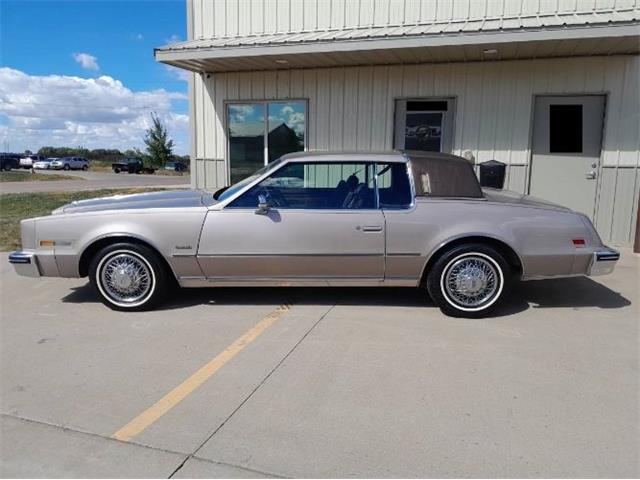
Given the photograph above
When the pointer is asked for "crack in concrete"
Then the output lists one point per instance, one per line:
(246, 399)
(65, 428)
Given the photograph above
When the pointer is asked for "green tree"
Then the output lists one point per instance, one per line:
(159, 145)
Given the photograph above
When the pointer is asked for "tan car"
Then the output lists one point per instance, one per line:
(320, 219)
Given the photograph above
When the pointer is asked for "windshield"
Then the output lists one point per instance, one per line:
(233, 189)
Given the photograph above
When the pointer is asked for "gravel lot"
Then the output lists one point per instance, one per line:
(351, 382)
(94, 181)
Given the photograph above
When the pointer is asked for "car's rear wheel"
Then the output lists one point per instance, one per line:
(67, 166)
(85, 167)
(129, 276)
(469, 280)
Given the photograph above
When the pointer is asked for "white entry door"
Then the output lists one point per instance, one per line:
(567, 140)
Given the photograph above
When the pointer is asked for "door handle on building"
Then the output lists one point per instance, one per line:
(590, 175)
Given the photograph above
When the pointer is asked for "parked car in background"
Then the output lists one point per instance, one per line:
(413, 220)
(70, 163)
(176, 166)
(9, 161)
(131, 165)
(28, 160)
(44, 164)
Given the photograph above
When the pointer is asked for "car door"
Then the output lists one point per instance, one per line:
(322, 225)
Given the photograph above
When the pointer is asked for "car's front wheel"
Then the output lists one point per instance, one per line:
(469, 280)
(128, 276)
(67, 166)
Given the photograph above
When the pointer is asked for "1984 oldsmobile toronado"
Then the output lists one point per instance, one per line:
(320, 219)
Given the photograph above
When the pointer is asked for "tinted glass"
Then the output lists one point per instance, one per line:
(315, 186)
(232, 190)
(423, 131)
(394, 188)
(427, 105)
(246, 139)
(286, 128)
(565, 128)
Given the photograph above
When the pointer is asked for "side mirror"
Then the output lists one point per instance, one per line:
(263, 205)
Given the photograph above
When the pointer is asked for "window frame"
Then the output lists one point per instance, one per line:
(448, 121)
(265, 142)
(376, 163)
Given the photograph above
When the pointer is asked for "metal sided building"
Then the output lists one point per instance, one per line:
(549, 87)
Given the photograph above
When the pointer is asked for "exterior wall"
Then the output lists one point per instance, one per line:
(352, 108)
(229, 18)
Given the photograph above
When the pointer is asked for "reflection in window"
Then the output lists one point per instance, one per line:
(423, 131)
(262, 132)
(246, 139)
(286, 128)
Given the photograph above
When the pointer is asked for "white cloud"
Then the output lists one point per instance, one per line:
(296, 122)
(173, 39)
(70, 111)
(139, 36)
(177, 73)
(86, 61)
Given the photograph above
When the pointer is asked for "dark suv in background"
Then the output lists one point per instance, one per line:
(9, 161)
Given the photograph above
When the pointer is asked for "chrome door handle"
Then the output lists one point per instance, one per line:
(590, 175)
(372, 228)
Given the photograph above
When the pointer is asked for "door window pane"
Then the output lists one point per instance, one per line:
(424, 124)
(394, 189)
(565, 128)
(246, 139)
(315, 186)
(286, 128)
(423, 131)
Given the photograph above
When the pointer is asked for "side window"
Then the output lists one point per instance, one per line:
(394, 189)
(315, 185)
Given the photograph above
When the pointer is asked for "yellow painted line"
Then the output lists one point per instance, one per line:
(175, 396)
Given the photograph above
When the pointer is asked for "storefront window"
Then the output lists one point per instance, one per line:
(261, 132)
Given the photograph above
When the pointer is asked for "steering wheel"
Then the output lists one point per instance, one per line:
(273, 196)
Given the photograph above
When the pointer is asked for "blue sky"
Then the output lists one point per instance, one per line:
(96, 58)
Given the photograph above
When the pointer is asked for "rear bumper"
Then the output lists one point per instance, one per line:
(603, 261)
(25, 264)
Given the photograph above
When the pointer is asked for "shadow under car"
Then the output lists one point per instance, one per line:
(576, 292)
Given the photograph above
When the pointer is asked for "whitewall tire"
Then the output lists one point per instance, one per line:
(469, 280)
(128, 276)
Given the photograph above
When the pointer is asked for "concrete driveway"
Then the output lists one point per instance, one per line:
(94, 181)
(321, 383)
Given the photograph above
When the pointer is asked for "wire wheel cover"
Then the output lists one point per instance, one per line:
(126, 278)
(471, 281)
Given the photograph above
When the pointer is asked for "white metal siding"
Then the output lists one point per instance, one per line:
(228, 18)
(353, 108)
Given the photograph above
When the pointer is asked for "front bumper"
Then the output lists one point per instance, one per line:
(25, 264)
(603, 261)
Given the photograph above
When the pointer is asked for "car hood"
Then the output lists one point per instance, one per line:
(514, 198)
(164, 199)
